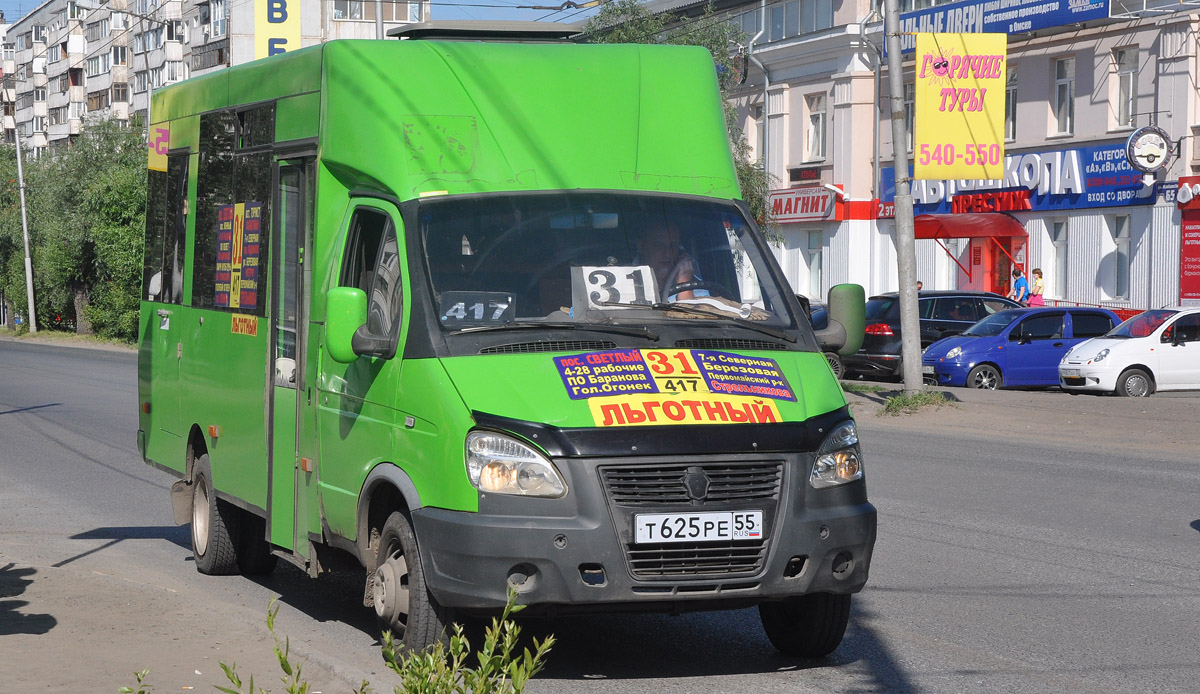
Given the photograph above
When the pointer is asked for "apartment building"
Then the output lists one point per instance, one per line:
(1082, 76)
(77, 59)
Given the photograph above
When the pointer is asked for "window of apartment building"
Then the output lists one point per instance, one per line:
(39, 124)
(1058, 237)
(10, 53)
(98, 100)
(39, 93)
(910, 112)
(814, 137)
(1010, 104)
(1118, 280)
(760, 136)
(76, 109)
(775, 15)
(1126, 62)
(38, 33)
(347, 9)
(120, 55)
(119, 20)
(140, 81)
(218, 18)
(22, 73)
(156, 77)
(54, 53)
(174, 30)
(74, 11)
(414, 11)
(910, 5)
(812, 257)
(75, 77)
(23, 41)
(25, 100)
(749, 21)
(776, 132)
(63, 83)
(174, 71)
(57, 116)
(97, 30)
(120, 92)
(1064, 96)
(99, 64)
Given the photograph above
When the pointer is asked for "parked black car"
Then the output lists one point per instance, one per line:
(818, 316)
(943, 313)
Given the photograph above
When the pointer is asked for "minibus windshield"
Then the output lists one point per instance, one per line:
(594, 258)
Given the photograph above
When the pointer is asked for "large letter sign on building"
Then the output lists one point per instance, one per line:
(959, 119)
(276, 27)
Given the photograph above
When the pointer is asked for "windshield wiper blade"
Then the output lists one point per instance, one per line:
(635, 331)
(692, 310)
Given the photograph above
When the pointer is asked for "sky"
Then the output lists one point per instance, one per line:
(441, 9)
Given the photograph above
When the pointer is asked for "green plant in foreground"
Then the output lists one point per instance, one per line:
(502, 669)
(907, 403)
(141, 688)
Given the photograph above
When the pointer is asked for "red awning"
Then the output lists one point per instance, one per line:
(967, 226)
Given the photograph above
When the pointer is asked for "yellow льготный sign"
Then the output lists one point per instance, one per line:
(959, 102)
(276, 27)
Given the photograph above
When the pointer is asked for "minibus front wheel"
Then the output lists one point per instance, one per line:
(403, 603)
(214, 525)
(809, 626)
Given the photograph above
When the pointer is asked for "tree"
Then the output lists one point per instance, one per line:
(86, 205)
(628, 21)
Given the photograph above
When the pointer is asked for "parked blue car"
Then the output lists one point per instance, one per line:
(1017, 347)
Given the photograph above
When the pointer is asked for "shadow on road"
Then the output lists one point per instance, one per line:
(1196, 524)
(31, 408)
(701, 645)
(330, 597)
(179, 535)
(13, 582)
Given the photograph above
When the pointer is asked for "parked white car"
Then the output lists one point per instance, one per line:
(1155, 350)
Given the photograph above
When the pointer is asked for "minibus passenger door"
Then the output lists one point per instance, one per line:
(289, 275)
(165, 270)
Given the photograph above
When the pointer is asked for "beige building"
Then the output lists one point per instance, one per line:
(1083, 75)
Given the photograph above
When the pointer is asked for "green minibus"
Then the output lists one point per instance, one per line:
(484, 318)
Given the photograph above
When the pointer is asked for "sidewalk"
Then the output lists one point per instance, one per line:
(1166, 423)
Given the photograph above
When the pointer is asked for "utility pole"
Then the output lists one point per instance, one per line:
(32, 317)
(906, 244)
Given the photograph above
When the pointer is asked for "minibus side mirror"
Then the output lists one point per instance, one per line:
(345, 314)
(847, 320)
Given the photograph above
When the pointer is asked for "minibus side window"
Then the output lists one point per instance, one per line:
(372, 264)
(233, 197)
(166, 229)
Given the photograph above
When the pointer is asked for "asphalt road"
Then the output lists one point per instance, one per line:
(1028, 542)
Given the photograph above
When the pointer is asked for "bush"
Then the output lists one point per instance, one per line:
(500, 667)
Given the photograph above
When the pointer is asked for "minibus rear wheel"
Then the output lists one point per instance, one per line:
(403, 603)
(214, 525)
(809, 626)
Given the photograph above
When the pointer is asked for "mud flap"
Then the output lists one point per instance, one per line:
(181, 501)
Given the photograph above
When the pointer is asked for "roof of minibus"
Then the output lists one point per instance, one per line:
(419, 118)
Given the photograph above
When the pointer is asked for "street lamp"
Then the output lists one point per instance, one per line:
(32, 317)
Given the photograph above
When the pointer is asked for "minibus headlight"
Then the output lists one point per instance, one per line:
(839, 459)
(502, 465)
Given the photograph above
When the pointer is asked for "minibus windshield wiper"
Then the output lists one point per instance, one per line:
(636, 331)
(685, 308)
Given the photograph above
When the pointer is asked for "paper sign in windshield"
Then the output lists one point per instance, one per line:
(671, 372)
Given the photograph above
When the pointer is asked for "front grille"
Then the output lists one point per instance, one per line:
(723, 343)
(663, 485)
(692, 559)
(550, 346)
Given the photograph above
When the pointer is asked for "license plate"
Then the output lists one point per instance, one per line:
(927, 369)
(1070, 373)
(697, 527)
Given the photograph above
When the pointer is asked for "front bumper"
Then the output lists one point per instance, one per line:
(576, 554)
(1091, 378)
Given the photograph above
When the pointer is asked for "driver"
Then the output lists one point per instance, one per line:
(658, 246)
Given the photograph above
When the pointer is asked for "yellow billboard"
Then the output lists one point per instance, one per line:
(276, 27)
(959, 106)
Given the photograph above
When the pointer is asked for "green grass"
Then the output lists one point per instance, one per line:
(862, 388)
(908, 403)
